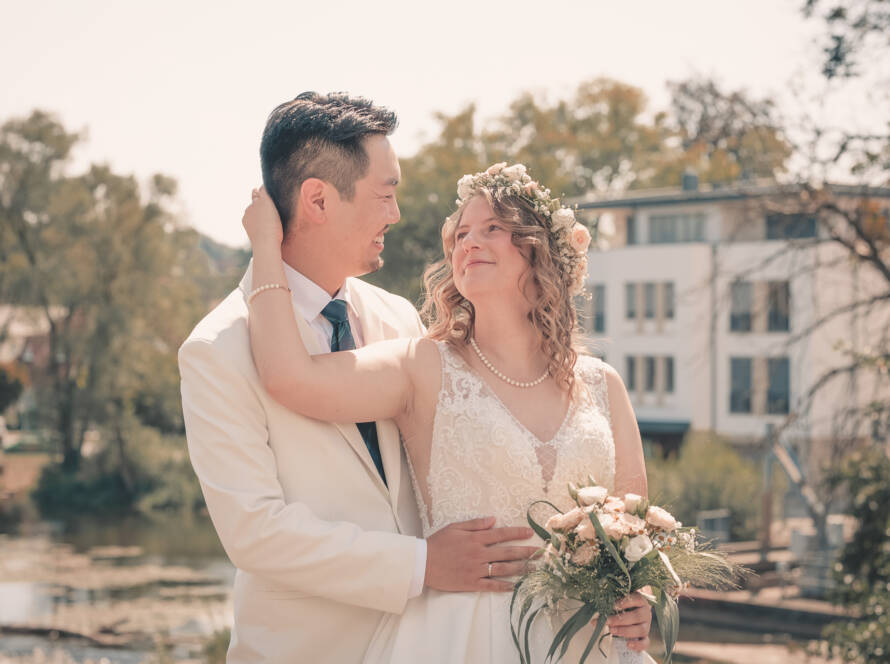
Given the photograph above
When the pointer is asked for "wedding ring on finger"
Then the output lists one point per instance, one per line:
(489, 570)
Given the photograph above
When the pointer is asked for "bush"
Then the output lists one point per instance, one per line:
(862, 572)
(708, 474)
(154, 476)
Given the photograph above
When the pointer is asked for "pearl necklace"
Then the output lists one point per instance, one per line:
(514, 383)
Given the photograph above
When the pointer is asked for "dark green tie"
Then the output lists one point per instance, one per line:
(341, 339)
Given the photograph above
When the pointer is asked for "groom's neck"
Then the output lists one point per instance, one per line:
(315, 264)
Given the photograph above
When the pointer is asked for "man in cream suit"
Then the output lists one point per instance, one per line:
(319, 518)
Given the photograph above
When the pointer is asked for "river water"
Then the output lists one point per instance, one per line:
(126, 590)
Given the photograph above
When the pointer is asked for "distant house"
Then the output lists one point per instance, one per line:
(699, 293)
(24, 342)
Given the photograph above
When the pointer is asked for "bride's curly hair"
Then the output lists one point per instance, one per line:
(450, 316)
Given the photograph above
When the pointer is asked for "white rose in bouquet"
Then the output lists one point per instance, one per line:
(613, 526)
(632, 501)
(591, 495)
(661, 518)
(634, 524)
(586, 530)
(565, 521)
(614, 504)
(494, 169)
(637, 547)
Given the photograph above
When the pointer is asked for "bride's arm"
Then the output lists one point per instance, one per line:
(630, 466)
(351, 386)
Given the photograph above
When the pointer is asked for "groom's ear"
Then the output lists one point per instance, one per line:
(312, 201)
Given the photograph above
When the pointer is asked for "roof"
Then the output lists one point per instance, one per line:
(710, 194)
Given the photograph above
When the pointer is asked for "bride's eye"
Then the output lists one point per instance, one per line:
(494, 227)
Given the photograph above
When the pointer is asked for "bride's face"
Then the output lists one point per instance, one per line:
(484, 260)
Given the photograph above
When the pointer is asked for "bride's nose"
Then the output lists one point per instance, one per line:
(468, 241)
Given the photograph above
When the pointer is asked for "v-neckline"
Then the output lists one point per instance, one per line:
(494, 395)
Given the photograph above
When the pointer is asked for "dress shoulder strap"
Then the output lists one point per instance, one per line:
(592, 371)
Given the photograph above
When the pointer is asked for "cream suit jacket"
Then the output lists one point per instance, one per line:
(321, 545)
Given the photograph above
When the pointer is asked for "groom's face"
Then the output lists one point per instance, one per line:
(360, 224)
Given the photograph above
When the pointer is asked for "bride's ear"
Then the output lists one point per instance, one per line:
(312, 201)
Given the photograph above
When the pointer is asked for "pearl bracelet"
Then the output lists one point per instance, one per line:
(265, 287)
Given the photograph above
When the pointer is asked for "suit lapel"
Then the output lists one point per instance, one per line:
(348, 430)
(373, 329)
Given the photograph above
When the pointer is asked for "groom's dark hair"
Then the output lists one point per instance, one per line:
(318, 136)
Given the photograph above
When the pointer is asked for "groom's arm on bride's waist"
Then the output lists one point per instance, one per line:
(262, 534)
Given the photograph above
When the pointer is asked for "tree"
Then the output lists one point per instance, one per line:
(726, 136)
(853, 28)
(110, 272)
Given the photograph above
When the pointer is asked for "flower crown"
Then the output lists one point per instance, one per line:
(570, 238)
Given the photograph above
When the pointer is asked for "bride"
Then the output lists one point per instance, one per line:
(496, 407)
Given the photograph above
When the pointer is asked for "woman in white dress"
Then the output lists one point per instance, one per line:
(495, 406)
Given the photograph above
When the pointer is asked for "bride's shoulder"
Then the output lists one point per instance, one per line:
(596, 372)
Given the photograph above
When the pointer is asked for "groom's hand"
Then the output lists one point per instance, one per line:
(458, 556)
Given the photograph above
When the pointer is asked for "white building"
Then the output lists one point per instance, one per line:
(698, 298)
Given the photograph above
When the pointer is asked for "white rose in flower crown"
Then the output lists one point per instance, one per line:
(494, 169)
(632, 501)
(565, 521)
(637, 547)
(563, 218)
(514, 172)
(590, 495)
(661, 518)
(465, 187)
(580, 238)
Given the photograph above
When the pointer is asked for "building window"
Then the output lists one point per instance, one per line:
(740, 385)
(630, 380)
(790, 226)
(779, 306)
(649, 374)
(669, 375)
(631, 230)
(631, 294)
(670, 228)
(668, 294)
(649, 300)
(778, 395)
(740, 306)
(599, 308)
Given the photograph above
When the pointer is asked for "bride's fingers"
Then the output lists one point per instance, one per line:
(498, 535)
(509, 553)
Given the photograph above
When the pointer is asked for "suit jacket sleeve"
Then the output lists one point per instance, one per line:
(261, 533)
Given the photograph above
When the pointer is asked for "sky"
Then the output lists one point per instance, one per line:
(184, 88)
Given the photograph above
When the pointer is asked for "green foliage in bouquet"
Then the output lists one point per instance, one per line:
(601, 551)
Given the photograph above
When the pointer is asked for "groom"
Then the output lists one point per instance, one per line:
(319, 518)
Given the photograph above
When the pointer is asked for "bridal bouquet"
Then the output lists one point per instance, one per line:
(602, 550)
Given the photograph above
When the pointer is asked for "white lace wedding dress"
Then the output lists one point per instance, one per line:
(483, 461)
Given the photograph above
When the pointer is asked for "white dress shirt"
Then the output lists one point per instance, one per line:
(309, 298)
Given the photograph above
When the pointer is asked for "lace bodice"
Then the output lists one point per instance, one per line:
(483, 461)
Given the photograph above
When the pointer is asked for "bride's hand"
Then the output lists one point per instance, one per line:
(261, 221)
